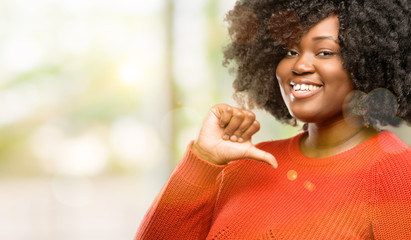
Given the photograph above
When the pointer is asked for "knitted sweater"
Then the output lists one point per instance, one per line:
(362, 193)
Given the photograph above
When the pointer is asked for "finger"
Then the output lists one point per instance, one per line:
(235, 122)
(261, 156)
(226, 113)
(245, 125)
(255, 127)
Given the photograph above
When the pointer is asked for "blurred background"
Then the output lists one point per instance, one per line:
(98, 101)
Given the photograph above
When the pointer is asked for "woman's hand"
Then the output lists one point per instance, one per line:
(226, 136)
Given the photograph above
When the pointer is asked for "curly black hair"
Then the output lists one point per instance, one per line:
(374, 37)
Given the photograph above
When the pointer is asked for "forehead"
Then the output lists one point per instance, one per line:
(287, 28)
(328, 27)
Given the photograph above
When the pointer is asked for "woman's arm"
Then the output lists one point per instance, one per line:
(184, 207)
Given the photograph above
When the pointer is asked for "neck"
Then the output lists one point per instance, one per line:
(327, 139)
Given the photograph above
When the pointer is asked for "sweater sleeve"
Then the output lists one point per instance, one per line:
(391, 207)
(184, 207)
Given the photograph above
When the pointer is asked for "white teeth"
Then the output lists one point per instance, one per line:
(305, 87)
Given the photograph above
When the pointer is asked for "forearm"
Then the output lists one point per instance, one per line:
(184, 207)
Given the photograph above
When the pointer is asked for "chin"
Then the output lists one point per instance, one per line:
(306, 116)
(322, 118)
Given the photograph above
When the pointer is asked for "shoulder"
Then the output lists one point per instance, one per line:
(393, 168)
(394, 164)
(391, 144)
(394, 152)
(391, 149)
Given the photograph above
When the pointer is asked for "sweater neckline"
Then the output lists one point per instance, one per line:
(300, 158)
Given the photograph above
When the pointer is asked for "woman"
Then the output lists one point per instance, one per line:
(337, 66)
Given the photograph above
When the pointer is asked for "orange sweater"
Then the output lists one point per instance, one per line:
(363, 193)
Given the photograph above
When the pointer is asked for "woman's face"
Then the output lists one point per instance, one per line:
(313, 82)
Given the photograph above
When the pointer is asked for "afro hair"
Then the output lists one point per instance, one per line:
(375, 49)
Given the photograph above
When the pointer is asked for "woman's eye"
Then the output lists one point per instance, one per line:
(326, 53)
(291, 53)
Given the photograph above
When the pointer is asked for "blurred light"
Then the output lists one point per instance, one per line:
(118, 6)
(75, 37)
(136, 143)
(76, 6)
(190, 43)
(130, 73)
(70, 191)
(84, 155)
(309, 186)
(21, 54)
(136, 7)
(292, 175)
(186, 135)
(17, 103)
(44, 144)
(190, 121)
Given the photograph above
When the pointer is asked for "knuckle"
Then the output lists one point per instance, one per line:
(217, 109)
(223, 107)
(250, 114)
(239, 115)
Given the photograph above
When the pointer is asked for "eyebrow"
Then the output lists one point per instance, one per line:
(324, 37)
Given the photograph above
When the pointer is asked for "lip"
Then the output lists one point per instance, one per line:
(305, 81)
(305, 94)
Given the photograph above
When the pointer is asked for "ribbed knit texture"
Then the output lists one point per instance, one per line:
(363, 193)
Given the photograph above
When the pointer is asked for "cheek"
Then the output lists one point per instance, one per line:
(340, 86)
(281, 72)
(335, 71)
(336, 77)
(281, 75)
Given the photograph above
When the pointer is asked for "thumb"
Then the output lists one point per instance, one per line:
(261, 156)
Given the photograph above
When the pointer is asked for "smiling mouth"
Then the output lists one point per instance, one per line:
(305, 87)
(304, 90)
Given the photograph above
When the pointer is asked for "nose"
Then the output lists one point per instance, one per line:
(303, 65)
